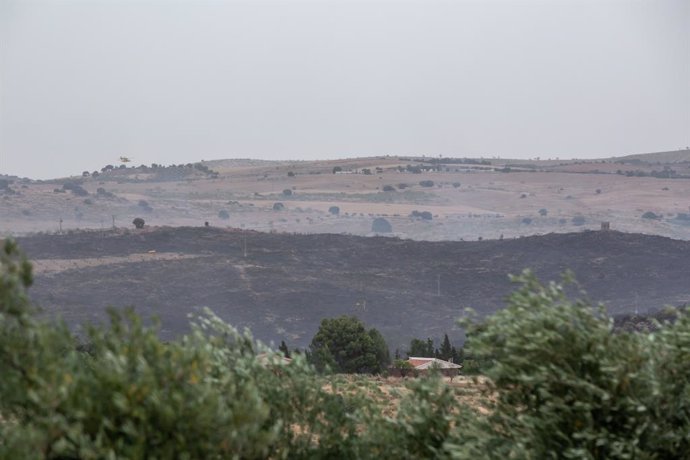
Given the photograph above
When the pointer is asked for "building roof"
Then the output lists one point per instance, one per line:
(430, 363)
(273, 358)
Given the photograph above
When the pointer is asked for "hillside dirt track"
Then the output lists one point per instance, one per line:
(288, 283)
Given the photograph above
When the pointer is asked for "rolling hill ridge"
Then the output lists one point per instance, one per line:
(287, 283)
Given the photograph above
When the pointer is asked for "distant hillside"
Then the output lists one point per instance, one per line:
(673, 156)
(461, 198)
(288, 283)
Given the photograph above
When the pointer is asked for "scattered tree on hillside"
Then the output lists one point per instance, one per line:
(284, 349)
(103, 193)
(335, 210)
(75, 188)
(223, 214)
(381, 225)
(138, 222)
(424, 215)
(287, 192)
(337, 169)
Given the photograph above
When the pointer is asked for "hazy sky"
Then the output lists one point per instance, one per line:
(83, 82)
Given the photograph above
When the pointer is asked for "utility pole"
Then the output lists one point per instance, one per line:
(361, 303)
(60, 225)
(113, 220)
(438, 286)
(245, 246)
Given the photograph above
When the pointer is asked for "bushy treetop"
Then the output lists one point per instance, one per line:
(344, 345)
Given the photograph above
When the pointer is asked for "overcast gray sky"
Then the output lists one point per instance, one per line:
(83, 82)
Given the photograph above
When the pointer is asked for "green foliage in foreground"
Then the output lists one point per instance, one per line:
(567, 386)
(564, 386)
(130, 396)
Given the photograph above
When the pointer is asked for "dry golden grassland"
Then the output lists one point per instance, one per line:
(386, 392)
